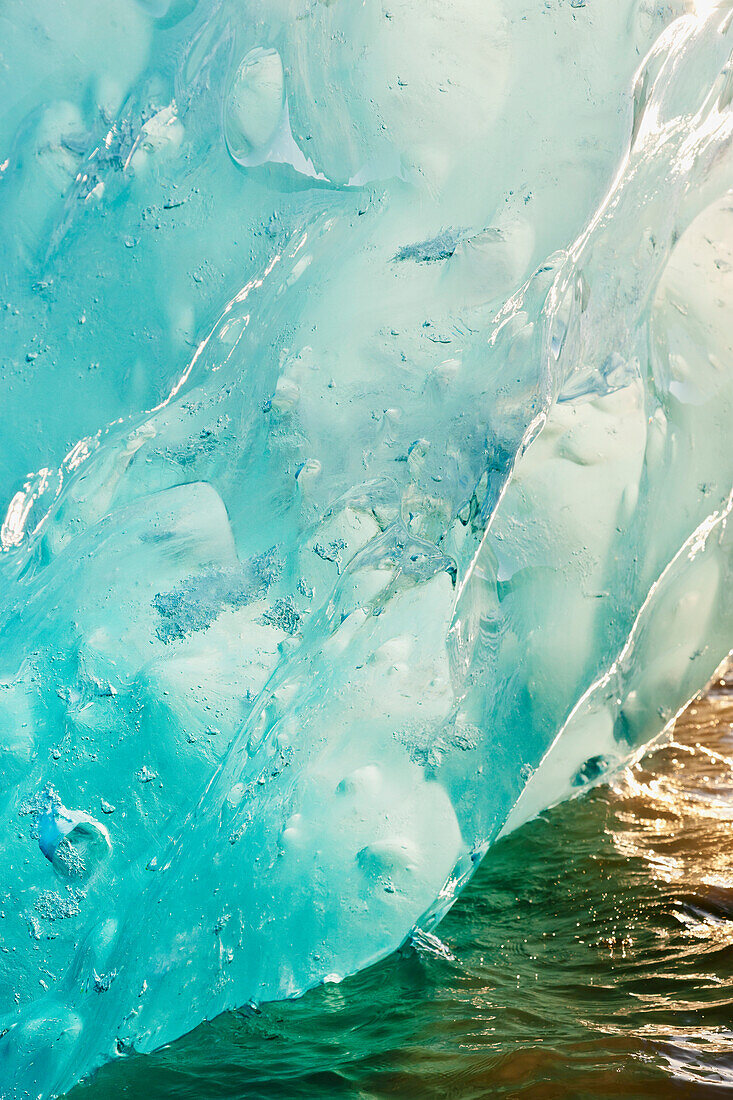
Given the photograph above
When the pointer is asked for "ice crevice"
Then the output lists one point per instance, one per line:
(379, 412)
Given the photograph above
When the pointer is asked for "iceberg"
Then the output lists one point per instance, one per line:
(372, 365)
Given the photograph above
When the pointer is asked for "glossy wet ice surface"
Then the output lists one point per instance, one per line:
(592, 955)
(365, 486)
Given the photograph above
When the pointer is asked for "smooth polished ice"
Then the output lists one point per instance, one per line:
(374, 368)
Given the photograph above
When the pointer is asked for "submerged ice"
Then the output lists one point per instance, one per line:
(373, 365)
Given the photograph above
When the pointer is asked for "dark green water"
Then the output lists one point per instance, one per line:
(592, 956)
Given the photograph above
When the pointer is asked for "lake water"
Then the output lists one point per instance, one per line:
(591, 956)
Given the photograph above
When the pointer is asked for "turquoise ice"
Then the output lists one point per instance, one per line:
(372, 364)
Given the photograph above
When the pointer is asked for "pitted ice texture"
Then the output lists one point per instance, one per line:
(373, 365)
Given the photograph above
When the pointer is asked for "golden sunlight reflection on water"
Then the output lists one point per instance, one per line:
(592, 956)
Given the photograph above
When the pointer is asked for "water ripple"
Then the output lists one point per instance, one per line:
(592, 956)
